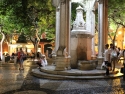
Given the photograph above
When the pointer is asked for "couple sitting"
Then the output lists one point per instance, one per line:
(42, 62)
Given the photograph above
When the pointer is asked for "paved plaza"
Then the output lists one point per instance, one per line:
(14, 81)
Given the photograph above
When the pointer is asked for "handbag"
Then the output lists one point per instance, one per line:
(103, 66)
(114, 55)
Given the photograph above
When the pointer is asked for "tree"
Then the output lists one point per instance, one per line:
(15, 15)
(18, 15)
(41, 15)
(116, 16)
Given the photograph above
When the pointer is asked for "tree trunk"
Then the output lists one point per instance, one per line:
(1, 43)
(35, 42)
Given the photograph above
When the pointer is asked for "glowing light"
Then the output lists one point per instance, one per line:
(5, 52)
(39, 50)
(120, 32)
(115, 43)
(28, 50)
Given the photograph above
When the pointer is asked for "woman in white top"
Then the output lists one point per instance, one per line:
(43, 61)
(113, 56)
(122, 54)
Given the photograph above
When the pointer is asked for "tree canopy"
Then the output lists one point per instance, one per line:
(25, 15)
(116, 16)
(116, 13)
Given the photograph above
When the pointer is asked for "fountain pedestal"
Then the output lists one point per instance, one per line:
(81, 43)
(81, 47)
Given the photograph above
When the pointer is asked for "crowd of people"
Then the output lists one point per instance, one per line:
(41, 60)
(21, 56)
(112, 55)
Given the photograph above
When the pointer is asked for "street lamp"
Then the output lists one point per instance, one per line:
(55, 3)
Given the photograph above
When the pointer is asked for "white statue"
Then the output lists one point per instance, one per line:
(88, 6)
(79, 22)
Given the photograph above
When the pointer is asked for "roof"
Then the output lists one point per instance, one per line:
(21, 39)
(45, 40)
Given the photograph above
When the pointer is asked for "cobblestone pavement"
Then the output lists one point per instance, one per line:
(13, 81)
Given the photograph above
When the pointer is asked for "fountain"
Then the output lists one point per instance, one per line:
(81, 41)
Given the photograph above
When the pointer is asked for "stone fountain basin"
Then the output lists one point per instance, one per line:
(81, 33)
(87, 64)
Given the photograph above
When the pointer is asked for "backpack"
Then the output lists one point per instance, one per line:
(19, 55)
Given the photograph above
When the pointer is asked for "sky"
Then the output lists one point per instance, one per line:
(77, 0)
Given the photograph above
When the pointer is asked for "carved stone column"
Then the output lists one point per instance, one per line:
(56, 3)
(57, 28)
(61, 59)
(68, 18)
(105, 25)
(100, 32)
(93, 33)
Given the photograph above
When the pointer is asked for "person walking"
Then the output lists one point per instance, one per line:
(113, 56)
(122, 54)
(107, 59)
(20, 60)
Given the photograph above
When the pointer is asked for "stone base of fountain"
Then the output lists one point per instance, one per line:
(81, 43)
(87, 64)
